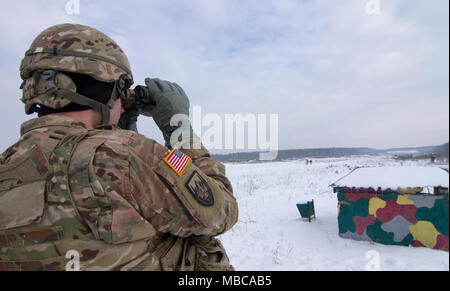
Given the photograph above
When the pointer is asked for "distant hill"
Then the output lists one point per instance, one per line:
(441, 149)
(333, 153)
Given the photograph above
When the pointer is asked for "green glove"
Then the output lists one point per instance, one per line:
(171, 110)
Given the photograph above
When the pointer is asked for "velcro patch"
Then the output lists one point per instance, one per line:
(178, 161)
(200, 189)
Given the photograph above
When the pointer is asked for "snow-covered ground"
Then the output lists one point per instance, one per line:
(271, 235)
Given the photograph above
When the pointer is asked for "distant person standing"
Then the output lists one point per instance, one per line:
(433, 158)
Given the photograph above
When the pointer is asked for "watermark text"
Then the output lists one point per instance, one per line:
(73, 7)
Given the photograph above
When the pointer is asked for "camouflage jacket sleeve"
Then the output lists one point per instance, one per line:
(168, 201)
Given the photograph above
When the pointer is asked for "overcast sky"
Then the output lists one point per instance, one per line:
(335, 75)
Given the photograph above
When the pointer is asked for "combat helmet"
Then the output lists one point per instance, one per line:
(72, 48)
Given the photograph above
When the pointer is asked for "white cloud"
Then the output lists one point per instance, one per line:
(322, 65)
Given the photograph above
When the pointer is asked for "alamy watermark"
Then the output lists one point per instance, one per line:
(74, 260)
(373, 7)
(237, 132)
(73, 7)
(373, 263)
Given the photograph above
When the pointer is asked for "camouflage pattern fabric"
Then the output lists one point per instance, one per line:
(110, 197)
(77, 38)
(394, 218)
(70, 48)
(35, 92)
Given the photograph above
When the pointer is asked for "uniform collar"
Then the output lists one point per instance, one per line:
(50, 121)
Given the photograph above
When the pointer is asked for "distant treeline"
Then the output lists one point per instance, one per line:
(438, 151)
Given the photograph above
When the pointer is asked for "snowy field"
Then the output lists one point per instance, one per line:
(271, 235)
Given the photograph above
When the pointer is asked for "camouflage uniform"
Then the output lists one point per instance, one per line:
(111, 197)
(105, 193)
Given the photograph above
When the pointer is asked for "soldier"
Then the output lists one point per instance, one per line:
(76, 183)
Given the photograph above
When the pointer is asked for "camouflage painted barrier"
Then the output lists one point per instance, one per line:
(394, 219)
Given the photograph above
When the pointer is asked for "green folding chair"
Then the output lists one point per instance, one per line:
(307, 210)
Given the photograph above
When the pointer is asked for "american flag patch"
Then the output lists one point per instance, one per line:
(178, 161)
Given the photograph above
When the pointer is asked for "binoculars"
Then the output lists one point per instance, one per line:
(137, 97)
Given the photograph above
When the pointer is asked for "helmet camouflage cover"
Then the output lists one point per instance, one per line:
(70, 48)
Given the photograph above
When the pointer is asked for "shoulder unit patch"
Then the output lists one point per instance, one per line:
(200, 189)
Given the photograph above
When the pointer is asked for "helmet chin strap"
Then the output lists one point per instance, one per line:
(118, 90)
(83, 100)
